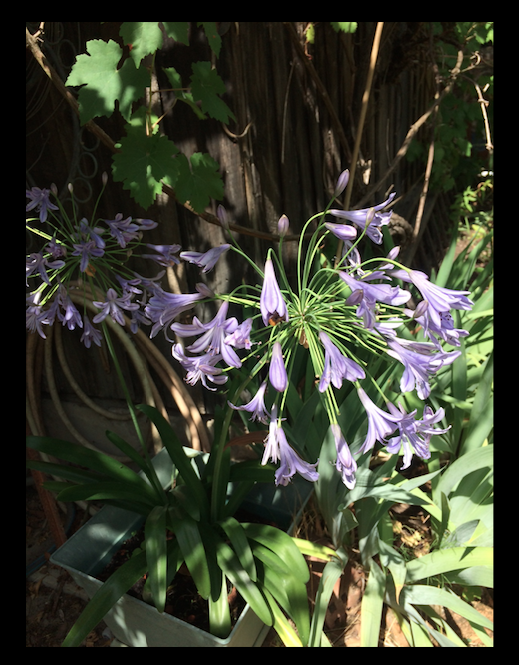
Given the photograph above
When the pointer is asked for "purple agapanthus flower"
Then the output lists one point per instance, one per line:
(271, 299)
(370, 218)
(200, 368)
(414, 435)
(212, 335)
(163, 307)
(87, 250)
(366, 295)
(205, 260)
(421, 360)
(439, 299)
(342, 231)
(165, 255)
(336, 366)
(35, 315)
(90, 334)
(380, 423)
(277, 370)
(56, 249)
(345, 464)
(445, 331)
(87, 232)
(277, 449)
(36, 262)
(240, 338)
(70, 315)
(113, 306)
(256, 406)
(40, 200)
(123, 230)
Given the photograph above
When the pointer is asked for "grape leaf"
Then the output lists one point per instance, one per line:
(103, 83)
(144, 36)
(198, 184)
(177, 30)
(181, 93)
(143, 162)
(206, 85)
(214, 39)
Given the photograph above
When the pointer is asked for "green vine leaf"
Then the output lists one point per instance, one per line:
(198, 184)
(177, 30)
(214, 39)
(103, 83)
(143, 162)
(144, 36)
(206, 85)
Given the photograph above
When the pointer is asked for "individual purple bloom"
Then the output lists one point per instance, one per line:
(146, 224)
(70, 315)
(342, 231)
(278, 449)
(380, 423)
(165, 254)
(240, 338)
(87, 250)
(277, 371)
(90, 334)
(445, 330)
(345, 464)
(113, 306)
(439, 298)
(366, 295)
(56, 249)
(212, 339)
(369, 218)
(130, 285)
(256, 406)
(336, 366)
(36, 262)
(35, 315)
(94, 233)
(40, 200)
(205, 260)
(123, 230)
(414, 435)
(163, 308)
(200, 368)
(271, 299)
(421, 360)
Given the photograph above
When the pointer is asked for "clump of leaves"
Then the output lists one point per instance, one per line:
(109, 81)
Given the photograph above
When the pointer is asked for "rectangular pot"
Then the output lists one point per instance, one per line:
(137, 624)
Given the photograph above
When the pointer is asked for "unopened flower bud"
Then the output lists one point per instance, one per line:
(283, 223)
(342, 182)
(221, 213)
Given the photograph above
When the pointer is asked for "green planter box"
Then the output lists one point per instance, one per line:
(137, 624)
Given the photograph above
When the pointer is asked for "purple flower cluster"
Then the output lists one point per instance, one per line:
(349, 303)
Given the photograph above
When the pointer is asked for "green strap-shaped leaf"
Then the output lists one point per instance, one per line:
(240, 545)
(178, 456)
(282, 544)
(106, 597)
(444, 561)
(91, 459)
(193, 550)
(371, 606)
(108, 490)
(156, 555)
(230, 565)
